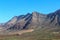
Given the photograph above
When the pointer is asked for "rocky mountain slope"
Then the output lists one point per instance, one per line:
(32, 21)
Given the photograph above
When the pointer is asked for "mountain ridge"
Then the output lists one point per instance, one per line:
(32, 21)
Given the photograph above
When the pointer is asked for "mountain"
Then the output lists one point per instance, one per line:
(55, 18)
(28, 21)
(32, 20)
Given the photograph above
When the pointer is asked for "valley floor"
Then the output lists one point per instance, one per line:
(35, 35)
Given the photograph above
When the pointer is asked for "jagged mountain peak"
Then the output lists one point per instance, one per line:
(35, 12)
(54, 17)
(57, 12)
(33, 20)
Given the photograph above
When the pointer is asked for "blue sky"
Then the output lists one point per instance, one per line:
(10, 8)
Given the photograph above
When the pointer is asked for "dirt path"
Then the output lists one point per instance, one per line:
(25, 31)
(21, 32)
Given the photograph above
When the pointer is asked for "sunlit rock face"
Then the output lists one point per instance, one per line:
(54, 18)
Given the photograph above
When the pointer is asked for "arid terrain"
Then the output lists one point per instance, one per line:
(32, 26)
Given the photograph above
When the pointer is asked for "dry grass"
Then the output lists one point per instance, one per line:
(35, 35)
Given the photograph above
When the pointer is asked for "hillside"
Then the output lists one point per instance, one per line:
(32, 26)
(38, 34)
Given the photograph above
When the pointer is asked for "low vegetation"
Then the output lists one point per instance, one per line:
(38, 34)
